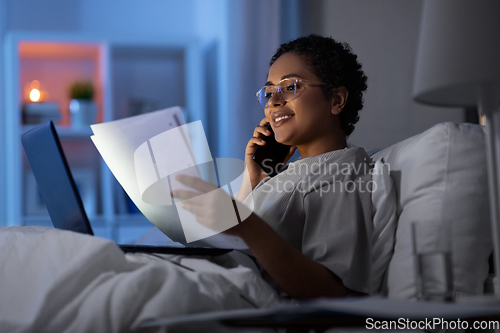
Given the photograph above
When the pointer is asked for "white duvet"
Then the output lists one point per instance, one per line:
(60, 281)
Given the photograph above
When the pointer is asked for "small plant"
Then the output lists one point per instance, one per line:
(82, 90)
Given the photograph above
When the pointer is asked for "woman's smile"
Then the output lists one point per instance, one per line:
(279, 120)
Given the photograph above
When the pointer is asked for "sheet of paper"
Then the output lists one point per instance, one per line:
(144, 153)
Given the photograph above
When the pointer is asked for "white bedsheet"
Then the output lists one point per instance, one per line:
(60, 281)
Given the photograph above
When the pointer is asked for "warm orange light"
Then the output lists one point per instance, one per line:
(35, 84)
(35, 95)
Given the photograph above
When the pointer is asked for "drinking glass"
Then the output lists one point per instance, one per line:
(432, 244)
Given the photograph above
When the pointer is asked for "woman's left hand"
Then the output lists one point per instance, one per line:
(211, 205)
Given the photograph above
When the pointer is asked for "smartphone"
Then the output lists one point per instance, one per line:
(270, 156)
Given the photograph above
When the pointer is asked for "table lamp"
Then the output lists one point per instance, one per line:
(458, 64)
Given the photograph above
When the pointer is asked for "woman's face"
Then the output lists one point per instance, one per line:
(311, 118)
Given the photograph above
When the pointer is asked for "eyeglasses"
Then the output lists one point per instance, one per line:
(287, 89)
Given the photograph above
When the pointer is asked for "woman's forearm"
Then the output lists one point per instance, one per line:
(246, 187)
(296, 274)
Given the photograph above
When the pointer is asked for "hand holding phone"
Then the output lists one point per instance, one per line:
(270, 157)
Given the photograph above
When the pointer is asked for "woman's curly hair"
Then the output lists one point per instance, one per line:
(336, 65)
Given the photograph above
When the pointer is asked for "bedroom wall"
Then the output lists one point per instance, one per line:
(155, 18)
(2, 172)
(384, 35)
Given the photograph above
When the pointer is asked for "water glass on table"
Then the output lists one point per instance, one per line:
(432, 244)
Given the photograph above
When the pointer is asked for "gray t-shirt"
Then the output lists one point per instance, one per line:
(322, 206)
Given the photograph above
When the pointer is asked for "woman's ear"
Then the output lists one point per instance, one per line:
(340, 95)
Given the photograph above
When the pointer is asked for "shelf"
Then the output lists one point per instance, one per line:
(56, 66)
(129, 75)
(58, 50)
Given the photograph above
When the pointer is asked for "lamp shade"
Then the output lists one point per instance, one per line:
(458, 52)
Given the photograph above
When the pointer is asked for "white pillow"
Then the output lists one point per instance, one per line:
(441, 177)
(384, 206)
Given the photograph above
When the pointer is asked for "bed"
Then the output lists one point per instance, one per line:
(60, 281)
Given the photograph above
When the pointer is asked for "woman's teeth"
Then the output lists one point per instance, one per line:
(280, 118)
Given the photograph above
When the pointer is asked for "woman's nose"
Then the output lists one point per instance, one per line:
(276, 100)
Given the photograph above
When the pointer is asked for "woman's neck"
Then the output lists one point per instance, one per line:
(335, 142)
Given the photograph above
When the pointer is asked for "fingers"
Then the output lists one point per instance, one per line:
(264, 122)
(196, 183)
(193, 208)
(257, 140)
(261, 130)
(183, 194)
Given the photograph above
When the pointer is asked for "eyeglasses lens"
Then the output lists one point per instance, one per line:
(286, 91)
(265, 95)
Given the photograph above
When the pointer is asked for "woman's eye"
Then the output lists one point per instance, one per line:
(268, 94)
(290, 87)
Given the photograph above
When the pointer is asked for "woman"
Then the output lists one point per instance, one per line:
(310, 225)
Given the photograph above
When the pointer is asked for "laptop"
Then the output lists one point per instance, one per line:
(60, 194)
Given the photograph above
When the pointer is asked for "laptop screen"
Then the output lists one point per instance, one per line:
(54, 179)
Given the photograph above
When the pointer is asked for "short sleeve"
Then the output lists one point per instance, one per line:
(337, 230)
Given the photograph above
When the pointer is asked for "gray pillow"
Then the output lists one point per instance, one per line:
(440, 176)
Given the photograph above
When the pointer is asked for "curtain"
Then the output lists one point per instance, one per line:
(255, 29)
